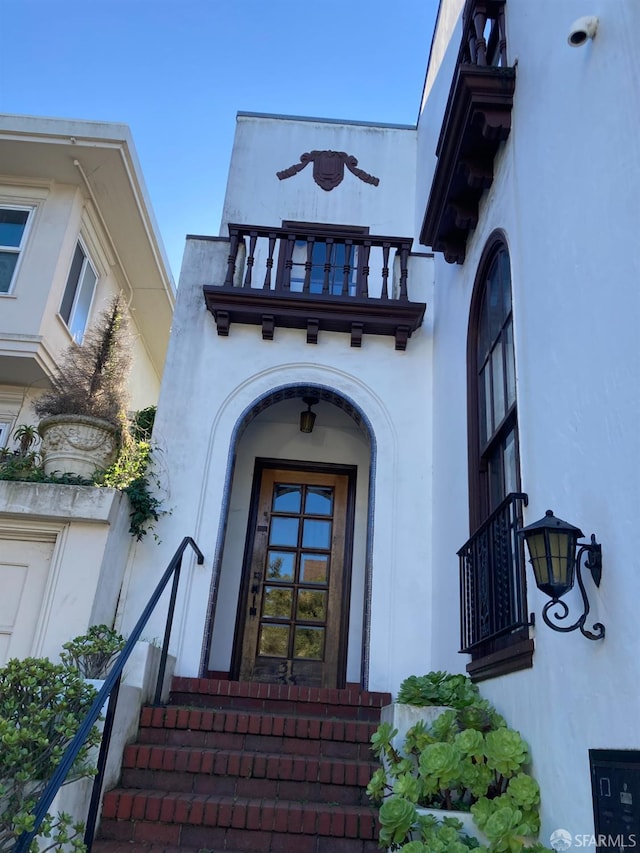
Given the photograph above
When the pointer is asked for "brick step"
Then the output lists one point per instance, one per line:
(130, 847)
(237, 824)
(232, 767)
(348, 703)
(257, 723)
(254, 732)
(246, 774)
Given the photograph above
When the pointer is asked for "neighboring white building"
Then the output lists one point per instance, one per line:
(76, 228)
(331, 556)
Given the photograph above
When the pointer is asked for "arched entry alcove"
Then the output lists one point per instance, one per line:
(290, 600)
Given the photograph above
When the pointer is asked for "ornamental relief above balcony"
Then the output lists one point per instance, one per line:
(317, 278)
(477, 120)
(328, 169)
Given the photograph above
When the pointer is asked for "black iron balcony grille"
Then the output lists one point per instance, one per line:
(493, 597)
(316, 278)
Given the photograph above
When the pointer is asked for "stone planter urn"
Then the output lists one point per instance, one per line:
(77, 444)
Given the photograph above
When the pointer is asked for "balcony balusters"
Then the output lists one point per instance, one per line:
(477, 48)
(272, 245)
(335, 279)
(476, 122)
(352, 260)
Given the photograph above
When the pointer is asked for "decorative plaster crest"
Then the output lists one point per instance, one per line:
(328, 168)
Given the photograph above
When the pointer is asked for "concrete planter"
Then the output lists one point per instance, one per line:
(77, 444)
(466, 819)
(403, 717)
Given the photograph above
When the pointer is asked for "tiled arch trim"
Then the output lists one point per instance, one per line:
(278, 395)
(326, 395)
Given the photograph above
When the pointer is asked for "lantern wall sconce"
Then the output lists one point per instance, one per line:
(308, 418)
(552, 545)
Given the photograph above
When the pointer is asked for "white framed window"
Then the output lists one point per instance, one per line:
(78, 293)
(5, 429)
(14, 223)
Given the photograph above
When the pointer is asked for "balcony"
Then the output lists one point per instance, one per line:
(493, 599)
(317, 278)
(477, 120)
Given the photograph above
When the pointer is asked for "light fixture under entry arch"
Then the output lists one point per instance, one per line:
(308, 418)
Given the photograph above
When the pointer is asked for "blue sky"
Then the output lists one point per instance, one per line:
(178, 71)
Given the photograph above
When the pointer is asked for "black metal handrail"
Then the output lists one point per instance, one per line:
(110, 689)
(493, 597)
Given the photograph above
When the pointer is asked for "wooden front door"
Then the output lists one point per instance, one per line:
(296, 588)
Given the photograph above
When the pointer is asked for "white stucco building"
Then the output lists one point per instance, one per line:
(457, 303)
(332, 555)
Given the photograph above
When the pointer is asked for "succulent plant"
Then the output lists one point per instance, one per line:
(396, 817)
(506, 751)
(468, 759)
(438, 688)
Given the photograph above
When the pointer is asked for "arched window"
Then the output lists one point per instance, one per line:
(494, 609)
(497, 469)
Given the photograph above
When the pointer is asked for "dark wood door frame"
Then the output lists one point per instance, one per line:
(301, 466)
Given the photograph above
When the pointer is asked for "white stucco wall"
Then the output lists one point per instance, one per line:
(265, 145)
(212, 381)
(444, 36)
(565, 193)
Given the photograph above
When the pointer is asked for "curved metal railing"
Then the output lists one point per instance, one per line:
(109, 691)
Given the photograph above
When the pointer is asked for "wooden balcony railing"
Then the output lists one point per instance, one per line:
(484, 40)
(493, 599)
(316, 278)
(477, 120)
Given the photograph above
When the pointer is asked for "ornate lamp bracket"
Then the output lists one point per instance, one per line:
(593, 563)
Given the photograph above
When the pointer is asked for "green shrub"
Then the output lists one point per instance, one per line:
(92, 654)
(41, 707)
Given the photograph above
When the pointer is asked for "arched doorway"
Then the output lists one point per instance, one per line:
(291, 593)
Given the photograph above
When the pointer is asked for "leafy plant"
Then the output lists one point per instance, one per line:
(130, 472)
(15, 464)
(92, 654)
(438, 688)
(92, 378)
(27, 436)
(466, 759)
(41, 707)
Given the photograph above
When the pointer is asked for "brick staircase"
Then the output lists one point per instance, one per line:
(249, 768)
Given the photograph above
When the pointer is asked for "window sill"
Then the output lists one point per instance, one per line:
(67, 331)
(513, 658)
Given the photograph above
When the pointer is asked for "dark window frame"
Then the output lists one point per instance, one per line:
(514, 650)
